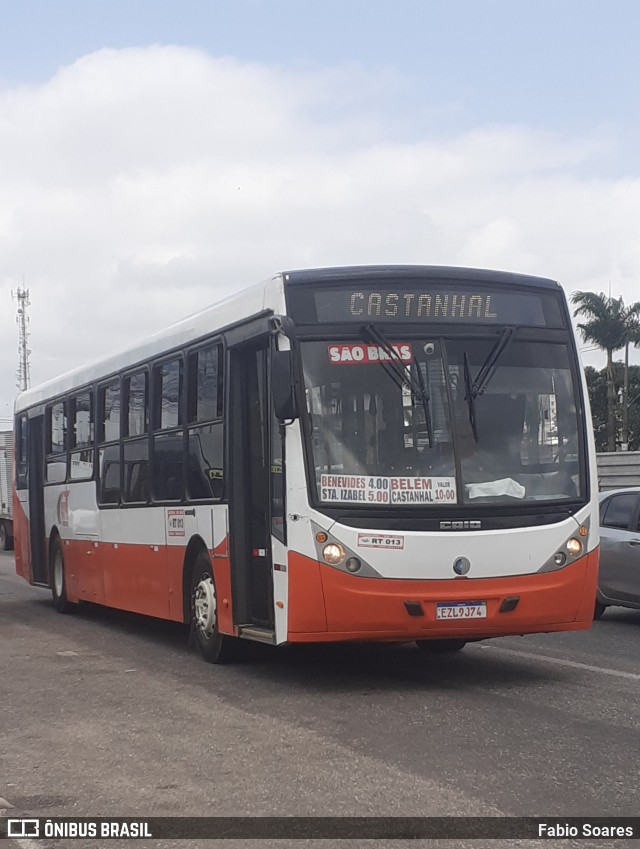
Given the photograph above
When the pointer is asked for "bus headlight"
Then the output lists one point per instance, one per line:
(560, 558)
(574, 547)
(333, 553)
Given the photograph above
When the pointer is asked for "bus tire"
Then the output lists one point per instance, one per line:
(599, 609)
(213, 646)
(6, 536)
(59, 579)
(441, 646)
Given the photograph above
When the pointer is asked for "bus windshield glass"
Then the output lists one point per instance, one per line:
(428, 422)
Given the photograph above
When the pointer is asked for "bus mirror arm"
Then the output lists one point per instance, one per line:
(281, 324)
(283, 386)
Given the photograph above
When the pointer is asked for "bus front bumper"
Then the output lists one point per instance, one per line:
(326, 604)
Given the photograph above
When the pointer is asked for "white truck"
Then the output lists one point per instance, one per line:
(6, 467)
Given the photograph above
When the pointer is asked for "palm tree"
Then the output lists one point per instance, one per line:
(611, 326)
(632, 337)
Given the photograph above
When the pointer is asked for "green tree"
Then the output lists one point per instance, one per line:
(632, 337)
(611, 326)
(597, 387)
(633, 408)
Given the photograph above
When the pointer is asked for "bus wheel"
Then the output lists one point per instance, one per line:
(212, 645)
(6, 539)
(599, 610)
(58, 579)
(441, 646)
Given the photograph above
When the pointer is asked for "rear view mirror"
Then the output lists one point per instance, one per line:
(282, 386)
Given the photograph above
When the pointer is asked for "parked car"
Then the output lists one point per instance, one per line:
(619, 579)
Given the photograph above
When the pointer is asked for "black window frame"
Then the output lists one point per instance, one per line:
(159, 434)
(21, 449)
(50, 456)
(73, 447)
(156, 393)
(125, 399)
(192, 423)
(126, 472)
(191, 415)
(97, 391)
(127, 439)
(100, 390)
(105, 444)
(276, 429)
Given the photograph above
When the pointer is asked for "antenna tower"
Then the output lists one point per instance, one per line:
(22, 319)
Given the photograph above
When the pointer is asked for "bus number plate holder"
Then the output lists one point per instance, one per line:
(461, 610)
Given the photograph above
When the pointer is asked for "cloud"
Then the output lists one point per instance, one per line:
(143, 184)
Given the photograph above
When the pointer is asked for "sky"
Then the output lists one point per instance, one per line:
(156, 156)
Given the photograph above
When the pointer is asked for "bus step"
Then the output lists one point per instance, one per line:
(254, 632)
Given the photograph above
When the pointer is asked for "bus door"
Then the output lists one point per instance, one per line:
(35, 478)
(249, 492)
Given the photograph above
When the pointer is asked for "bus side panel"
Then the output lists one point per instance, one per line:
(135, 579)
(306, 597)
(134, 561)
(222, 576)
(83, 568)
(175, 566)
(22, 546)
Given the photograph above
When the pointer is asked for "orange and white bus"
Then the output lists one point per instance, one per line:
(398, 453)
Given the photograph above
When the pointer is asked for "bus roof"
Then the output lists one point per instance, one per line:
(250, 301)
(346, 274)
(241, 305)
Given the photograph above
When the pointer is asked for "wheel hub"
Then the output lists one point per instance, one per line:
(204, 606)
(58, 575)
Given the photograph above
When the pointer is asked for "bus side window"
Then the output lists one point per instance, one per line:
(110, 474)
(82, 434)
(136, 393)
(21, 453)
(108, 424)
(56, 446)
(168, 444)
(135, 452)
(136, 471)
(205, 393)
(109, 412)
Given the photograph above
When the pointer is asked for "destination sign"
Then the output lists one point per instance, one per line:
(432, 303)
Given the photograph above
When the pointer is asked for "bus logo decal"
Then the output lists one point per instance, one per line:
(366, 354)
(461, 525)
(461, 565)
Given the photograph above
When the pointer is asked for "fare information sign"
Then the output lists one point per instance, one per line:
(371, 489)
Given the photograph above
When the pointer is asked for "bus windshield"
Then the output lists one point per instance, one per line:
(428, 422)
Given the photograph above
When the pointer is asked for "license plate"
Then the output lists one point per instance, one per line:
(461, 610)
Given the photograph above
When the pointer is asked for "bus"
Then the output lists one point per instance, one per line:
(6, 496)
(377, 453)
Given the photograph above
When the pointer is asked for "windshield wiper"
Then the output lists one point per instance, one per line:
(400, 373)
(485, 373)
(469, 397)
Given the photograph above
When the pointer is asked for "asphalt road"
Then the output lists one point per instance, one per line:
(104, 713)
